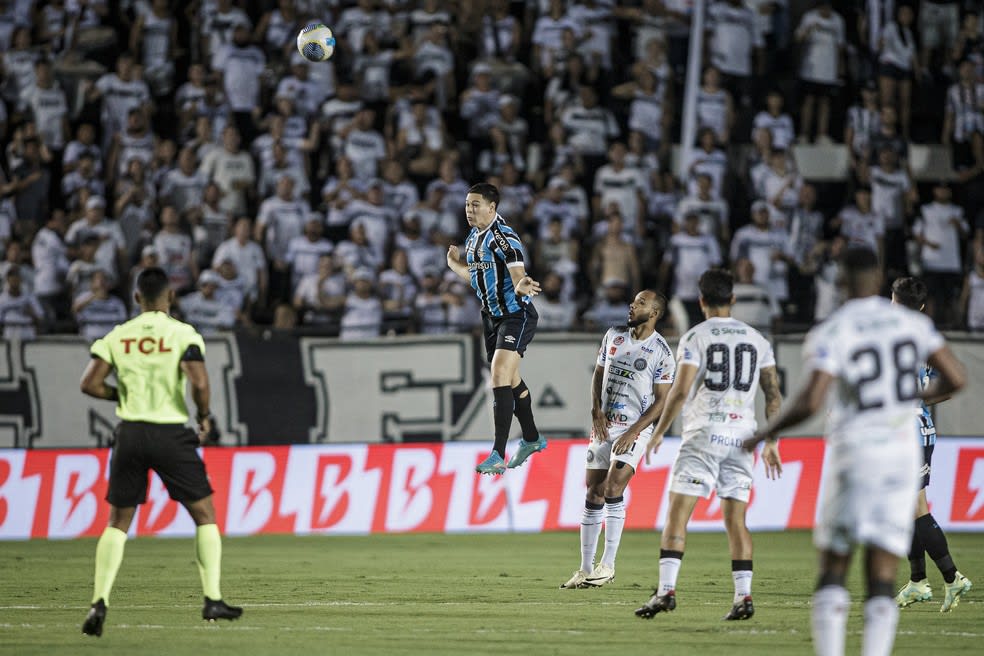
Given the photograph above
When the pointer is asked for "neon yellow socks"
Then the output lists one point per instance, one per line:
(109, 556)
(208, 554)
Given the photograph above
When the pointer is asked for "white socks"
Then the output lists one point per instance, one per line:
(881, 616)
(614, 523)
(590, 531)
(669, 569)
(829, 620)
(743, 584)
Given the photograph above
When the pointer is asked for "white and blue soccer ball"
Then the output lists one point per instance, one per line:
(315, 42)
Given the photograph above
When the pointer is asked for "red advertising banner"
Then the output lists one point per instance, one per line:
(373, 488)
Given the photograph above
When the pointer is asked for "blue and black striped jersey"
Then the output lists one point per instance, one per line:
(490, 253)
(927, 429)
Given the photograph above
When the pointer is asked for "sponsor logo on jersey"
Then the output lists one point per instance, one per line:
(646, 350)
(616, 406)
(590, 456)
(617, 418)
(726, 440)
(689, 480)
(687, 355)
(618, 341)
(509, 339)
(612, 350)
(622, 373)
(716, 417)
(612, 390)
(480, 266)
(639, 364)
(666, 376)
(728, 331)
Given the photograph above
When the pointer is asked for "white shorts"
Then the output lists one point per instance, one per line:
(712, 459)
(869, 495)
(599, 455)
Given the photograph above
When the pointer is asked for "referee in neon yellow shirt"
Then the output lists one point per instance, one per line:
(153, 355)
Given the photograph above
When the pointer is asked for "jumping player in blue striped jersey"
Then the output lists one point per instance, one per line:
(927, 537)
(494, 265)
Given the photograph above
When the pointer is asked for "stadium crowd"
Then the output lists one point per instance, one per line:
(324, 196)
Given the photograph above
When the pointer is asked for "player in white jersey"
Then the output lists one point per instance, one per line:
(631, 378)
(720, 362)
(864, 361)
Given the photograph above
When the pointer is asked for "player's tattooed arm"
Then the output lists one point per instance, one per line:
(769, 382)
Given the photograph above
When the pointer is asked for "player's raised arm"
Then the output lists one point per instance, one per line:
(804, 405)
(456, 265)
(952, 376)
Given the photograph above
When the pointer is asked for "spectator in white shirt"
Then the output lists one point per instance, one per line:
(893, 197)
(778, 123)
(363, 314)
(707, 160)
(248, 258)
(183, 187)
(304, 251)
(203, 309)
(97, 311)
(555, 312)
(232, 170)
(972, 295)
(897, 62)
(48, 105)
(860, 226)
(715, 108)
(713, 212)
(821, 35)
(941, 232)
(21, 313)
(690, 254)
(111, 254)
(364, 146)
(617, 183)
(320, 296)
(119, 92)
(50, 257)
(863, 121)
(768, 249)
(736, 39)
(610, 308)
(589, 126)
(241, 66)
(480, 103)
(174, 247)
(753, 304)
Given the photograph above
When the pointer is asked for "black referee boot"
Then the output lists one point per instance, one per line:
(93, 624)
(216, 609)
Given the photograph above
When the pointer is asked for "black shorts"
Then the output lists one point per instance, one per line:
(943, 288)
(894, 72)
(927, 466)
(818, 89)
(513, 332)
(171, 450)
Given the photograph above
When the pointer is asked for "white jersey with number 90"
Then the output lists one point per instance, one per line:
(729, 355)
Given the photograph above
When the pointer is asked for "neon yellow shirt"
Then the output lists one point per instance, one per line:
(146, 353)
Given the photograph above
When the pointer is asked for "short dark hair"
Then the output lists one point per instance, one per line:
(658, 300)
(858, 259)
(716, 287)
(910, 292)
(151, 283)
(487, 191)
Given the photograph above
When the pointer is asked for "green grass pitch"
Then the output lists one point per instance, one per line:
(436, 594)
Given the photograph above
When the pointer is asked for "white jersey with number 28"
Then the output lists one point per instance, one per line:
(729, 355)
(876, 351)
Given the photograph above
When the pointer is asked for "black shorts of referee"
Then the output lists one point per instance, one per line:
(171, 450)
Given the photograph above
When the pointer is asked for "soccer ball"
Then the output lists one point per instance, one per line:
(315, 42)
